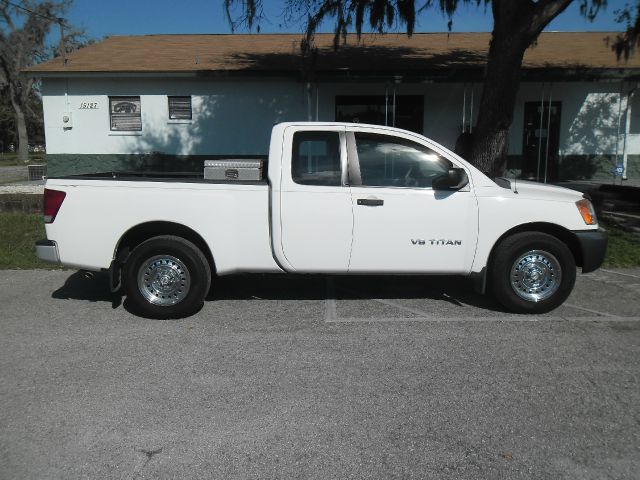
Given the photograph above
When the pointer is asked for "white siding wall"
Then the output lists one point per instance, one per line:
(235, 117)
(589, 117)
(228, 117)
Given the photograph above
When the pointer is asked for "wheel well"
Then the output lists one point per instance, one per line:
(561, 233)
(140, 233)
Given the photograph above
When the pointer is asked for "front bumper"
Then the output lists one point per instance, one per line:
(47, 251)
(593, 244)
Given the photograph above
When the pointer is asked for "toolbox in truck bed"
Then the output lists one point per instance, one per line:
(240, 170)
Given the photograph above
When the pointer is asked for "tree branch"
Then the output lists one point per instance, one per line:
(545, 11)
(626, 42)
(6, 16)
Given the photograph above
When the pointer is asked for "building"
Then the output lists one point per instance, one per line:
(170, 101)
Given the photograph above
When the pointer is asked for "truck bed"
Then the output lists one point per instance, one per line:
(232, 217)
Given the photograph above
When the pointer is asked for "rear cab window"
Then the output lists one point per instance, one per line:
(315, 158)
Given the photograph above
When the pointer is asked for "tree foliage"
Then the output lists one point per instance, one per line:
(625, 43)
(24, 28)
(383, 15)
(516, 26)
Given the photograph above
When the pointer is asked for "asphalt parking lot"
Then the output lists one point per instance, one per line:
(313, 377)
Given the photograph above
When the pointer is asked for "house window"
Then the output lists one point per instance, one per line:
(125, 114)
(407, 111)
(179, 108)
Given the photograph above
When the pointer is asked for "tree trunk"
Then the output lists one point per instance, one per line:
(490, 136)
(23, 136)
(21, 124)
(516, 25)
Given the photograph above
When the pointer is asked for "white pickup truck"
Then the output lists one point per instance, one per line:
(337, 199)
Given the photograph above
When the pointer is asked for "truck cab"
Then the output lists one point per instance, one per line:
(362, 199)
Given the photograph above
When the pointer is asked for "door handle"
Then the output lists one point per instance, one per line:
(371, 202)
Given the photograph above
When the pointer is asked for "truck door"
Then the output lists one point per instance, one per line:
(315, 217)
(401, 224)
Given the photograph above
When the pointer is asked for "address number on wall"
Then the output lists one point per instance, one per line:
(88, 105)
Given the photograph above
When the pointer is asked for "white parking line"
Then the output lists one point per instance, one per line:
(584, 309)
(439, 319)
(420, 313)
(331, 309)
(620, 273)
(508, 318)
(331, 314)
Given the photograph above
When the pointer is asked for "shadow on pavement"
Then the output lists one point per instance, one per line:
(455, 290)
(96, 289)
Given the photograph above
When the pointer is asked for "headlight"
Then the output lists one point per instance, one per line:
(588, 213)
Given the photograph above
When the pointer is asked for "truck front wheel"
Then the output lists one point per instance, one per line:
(532, 272)
(166, 277)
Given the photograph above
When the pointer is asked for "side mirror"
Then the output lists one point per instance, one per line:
(454, 179)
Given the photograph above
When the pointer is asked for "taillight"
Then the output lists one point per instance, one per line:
(52, 202)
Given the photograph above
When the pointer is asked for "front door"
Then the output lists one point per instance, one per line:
(401, 224)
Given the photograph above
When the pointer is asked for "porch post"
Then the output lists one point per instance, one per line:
(627, 128)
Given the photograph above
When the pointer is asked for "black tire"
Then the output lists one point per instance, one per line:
(166, 277)
(532, 272)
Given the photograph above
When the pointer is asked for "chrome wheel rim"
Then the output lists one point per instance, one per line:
(164, 280)
(536, 275)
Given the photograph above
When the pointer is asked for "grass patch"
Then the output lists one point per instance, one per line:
(11, 159)
(18, 235)
(623, 249)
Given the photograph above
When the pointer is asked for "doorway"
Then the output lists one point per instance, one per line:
(406, 113)
(541, 141)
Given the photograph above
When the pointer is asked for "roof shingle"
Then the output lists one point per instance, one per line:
(373, 53)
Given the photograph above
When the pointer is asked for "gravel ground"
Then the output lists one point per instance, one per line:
(303, 377)
(31, 189)
(16, 180)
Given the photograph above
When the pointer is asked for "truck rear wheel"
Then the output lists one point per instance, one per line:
(532, 272)
(166, 277)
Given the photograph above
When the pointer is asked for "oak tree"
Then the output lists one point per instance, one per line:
(516, 27)
(24, 27)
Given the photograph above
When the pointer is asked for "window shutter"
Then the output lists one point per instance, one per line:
(180, 108)
(125, 113)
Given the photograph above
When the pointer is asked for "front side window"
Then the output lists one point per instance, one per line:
(316, 158)
(387, 161)
(125, 113)
(179, 108)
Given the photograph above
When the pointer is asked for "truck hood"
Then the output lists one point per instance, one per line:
(541, 191)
